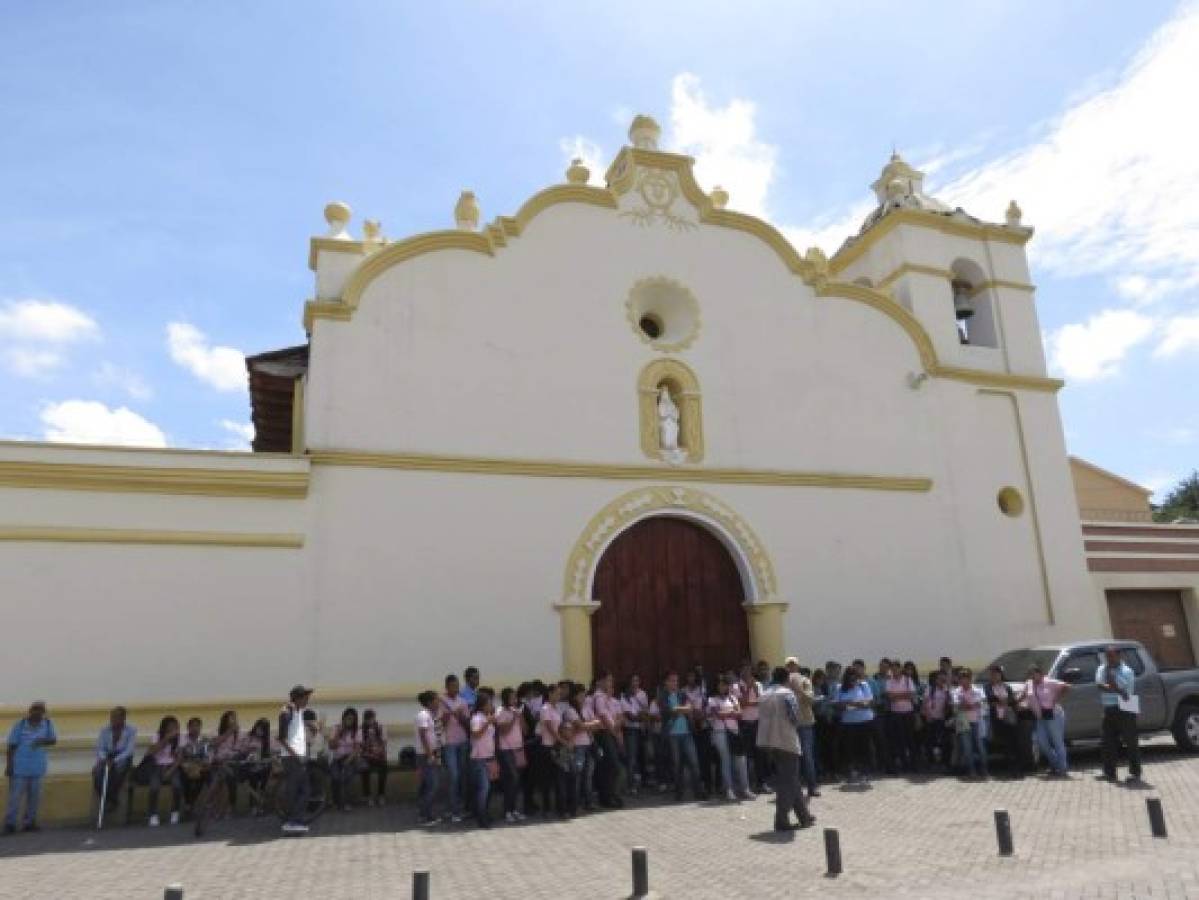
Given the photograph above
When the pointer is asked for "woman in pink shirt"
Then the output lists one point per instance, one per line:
(482, 754)
(634, 707)
(582, 722)
(510, 739)
(723, 713)
(901, 720)
(749, 692)
(345, 745)
(1042, 696)
(937, 735)
(969, 707)
(165, 770)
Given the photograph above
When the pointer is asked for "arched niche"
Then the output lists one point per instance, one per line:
(684, 390)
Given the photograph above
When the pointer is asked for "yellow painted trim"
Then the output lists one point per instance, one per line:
(332, 245)
(121, 448)
(478, 465)
(999, 379)
(925, 219)
(876, 299)
(690, 403)
(410, 248)
(1050, 614)
(53, 534)
(1002, 283)
(297, 415)
(634, 505)
(766, 630)
(913, 268)
(154, 480)
(334, 310)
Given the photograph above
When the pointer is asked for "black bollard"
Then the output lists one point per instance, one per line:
(1157, 820)
(1003, 832)
(420, 885)
(173, 892)
(640, 872)
(832, 851)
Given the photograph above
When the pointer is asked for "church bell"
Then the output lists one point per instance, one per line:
(962, 307)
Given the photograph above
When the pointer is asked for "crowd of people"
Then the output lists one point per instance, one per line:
(565, 748)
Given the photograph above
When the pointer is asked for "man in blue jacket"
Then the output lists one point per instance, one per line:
(25, 765)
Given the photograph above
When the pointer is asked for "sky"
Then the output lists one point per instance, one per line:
(164, 164)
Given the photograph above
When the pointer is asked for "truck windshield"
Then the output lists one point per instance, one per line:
(1016, 663)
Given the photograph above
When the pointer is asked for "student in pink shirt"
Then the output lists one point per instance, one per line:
(1042, 696)
(581, 723)
(454, 715)
(900, 690)
(937, 734)
(969, 707)
(723, 713)
(484, 767)
(609, 741)
(165, 752)
(345, 745)
(551, 776)
(749, 692)
(510, 741)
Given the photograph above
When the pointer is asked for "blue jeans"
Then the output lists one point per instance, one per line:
(682, 754)
(807, 760)
(972, 751)
(1051, 738)
(583, 773)
(430, 778)
(29, 787)
(732, 766)
(632, 755)
(457, 758)
(482, 785)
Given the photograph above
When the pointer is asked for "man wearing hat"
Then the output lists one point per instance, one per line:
(294, 741)
(801, 686)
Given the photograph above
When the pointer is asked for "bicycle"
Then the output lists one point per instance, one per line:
(213, 802)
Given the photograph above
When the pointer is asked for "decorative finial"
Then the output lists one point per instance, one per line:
(577, 173)
(644, 133)
(818, 261)
(372, 230)
(337, 214)
(1014, 215)
(466, 212)
(719, 197)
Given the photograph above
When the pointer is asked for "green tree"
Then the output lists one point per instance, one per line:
(1182, 502)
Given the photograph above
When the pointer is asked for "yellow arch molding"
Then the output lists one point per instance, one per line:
(620, 179)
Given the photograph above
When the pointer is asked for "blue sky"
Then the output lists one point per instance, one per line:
(164, 164)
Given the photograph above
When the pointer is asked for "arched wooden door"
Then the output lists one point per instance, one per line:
(670, 596)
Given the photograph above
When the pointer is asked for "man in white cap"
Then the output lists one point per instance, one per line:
(805, 694)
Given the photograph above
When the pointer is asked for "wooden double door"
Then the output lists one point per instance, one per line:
(1155, 618)
(670, 596)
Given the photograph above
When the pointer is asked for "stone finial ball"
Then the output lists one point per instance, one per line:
(337, 213)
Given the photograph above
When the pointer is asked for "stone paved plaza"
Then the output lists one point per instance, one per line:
(1076, 838)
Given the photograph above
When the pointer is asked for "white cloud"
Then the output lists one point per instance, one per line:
(725, 144)
(90, 422)
(591, 153)
(110, 375)
(33, 334)
(1180, 334)
(242, 433)
(1095, 349)
(1113, 184)
(224, 368)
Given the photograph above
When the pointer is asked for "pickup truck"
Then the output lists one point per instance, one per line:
(1169, 697)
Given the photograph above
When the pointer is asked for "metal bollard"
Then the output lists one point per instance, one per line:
(1003, 832)
(173, 892)
(1157, 819)
(420, 885)
(832, 851)
(640, 872)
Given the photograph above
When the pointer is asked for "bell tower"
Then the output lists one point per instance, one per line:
(965, 279)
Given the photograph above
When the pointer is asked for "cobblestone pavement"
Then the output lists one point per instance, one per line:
(1075, 838)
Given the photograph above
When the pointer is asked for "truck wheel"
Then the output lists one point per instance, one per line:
(1186, 727)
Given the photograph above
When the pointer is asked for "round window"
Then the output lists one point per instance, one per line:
(1011, 503)
(663, 313)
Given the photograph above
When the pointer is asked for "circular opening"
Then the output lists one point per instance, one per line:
(651, 327)
(1010, 502)
(663, 313)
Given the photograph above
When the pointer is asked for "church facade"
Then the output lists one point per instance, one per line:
(625, 428)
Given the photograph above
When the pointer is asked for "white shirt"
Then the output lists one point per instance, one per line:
(424, 722)
(297, 736)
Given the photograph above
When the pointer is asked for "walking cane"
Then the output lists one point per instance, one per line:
(103, 795)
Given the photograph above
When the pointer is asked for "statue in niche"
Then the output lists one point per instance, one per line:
(668, 428)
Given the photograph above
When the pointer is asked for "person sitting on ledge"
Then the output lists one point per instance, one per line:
(114, 752)
(25, 765)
